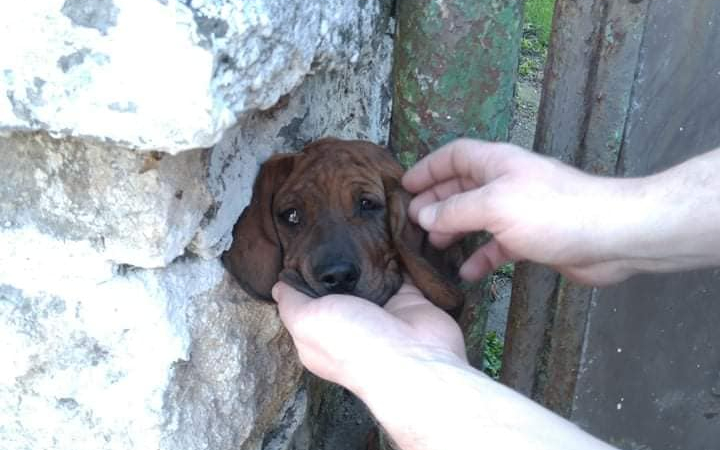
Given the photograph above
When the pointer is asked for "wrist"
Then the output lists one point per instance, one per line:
(665, 222)
(393, 370)
(629, 222)
(419, 397)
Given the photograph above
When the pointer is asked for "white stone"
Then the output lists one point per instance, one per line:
(87, 370)
(139, 359)
(164, 75)
(132, 208)
(114, 333)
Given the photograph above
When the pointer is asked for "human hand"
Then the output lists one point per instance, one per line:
(349, 340)
(407, 363)
(535, 207)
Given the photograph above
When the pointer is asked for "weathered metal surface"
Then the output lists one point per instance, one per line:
(533, 291)
(562, 120)
(607, 101)
(675, 112)
(454, 72)
(632, 87)
(651, 366)
(588, 82)
(568, 77)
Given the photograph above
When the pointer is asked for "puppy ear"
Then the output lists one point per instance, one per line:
(410, 243)
(255, 256)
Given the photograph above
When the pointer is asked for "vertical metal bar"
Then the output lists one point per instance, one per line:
(586, 100)
(454, 72)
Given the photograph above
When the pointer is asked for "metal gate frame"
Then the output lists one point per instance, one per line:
(594, 114)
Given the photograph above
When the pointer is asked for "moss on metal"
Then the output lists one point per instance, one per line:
(454, 73)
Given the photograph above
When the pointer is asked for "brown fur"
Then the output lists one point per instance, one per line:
(352, 235)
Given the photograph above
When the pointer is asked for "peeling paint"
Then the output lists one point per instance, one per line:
(455, 68)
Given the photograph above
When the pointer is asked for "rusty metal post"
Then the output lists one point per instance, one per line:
(587, 91)
(454, 72)
(454, 75)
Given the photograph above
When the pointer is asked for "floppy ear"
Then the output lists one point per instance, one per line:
(410, 242)
(255, 256)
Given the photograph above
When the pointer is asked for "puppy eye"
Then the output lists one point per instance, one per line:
(367, 204)
(290, 216)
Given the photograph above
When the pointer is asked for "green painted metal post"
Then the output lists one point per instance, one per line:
(454, 72)
(454, 75)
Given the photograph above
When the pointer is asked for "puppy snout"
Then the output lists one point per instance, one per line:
(338, 277)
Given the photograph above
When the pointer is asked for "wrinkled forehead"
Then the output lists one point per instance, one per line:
(328, 175)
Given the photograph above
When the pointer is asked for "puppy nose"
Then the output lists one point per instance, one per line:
(339, 277)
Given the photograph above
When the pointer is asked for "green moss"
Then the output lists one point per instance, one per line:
(506, 270)
(492, 355)
(407, 159)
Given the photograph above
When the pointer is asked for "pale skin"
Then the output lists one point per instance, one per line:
(407, 361)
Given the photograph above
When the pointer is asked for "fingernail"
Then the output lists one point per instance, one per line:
(466, 272)
(427, 216)
(276, 291)
(470, 273)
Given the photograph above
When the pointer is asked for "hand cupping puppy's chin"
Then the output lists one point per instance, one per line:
(295, 279)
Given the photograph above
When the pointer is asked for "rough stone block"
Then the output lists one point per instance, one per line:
(146, 357)
(165, 75)
(140, 209)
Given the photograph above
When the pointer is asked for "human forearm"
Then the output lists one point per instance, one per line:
(592, 229)
(672, 219)
(428, 401)
(406, 361)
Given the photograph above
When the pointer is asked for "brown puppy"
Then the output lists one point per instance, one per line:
(332, 219)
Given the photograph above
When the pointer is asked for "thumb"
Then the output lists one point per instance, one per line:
(290, 302)
(460, 213)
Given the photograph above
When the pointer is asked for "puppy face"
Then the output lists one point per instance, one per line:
(332, 219)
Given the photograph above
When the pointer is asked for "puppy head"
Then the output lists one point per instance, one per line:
(332, 219)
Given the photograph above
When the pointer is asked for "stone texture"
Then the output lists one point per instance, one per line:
(120, 328)
(239, 388)
(132, 208)
(352, 102)
(142, 358)
(145, 209)
(165, 75)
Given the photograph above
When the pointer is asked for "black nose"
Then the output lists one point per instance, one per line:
(338, 277)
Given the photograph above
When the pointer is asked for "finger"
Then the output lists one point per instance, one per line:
(408, 286)
(409, 307)
(461, 213)
(438, 193)
(407, 296)
(484, 261)
(463, 158)
(290, 302)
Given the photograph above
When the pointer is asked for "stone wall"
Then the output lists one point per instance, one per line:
(130, 134)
